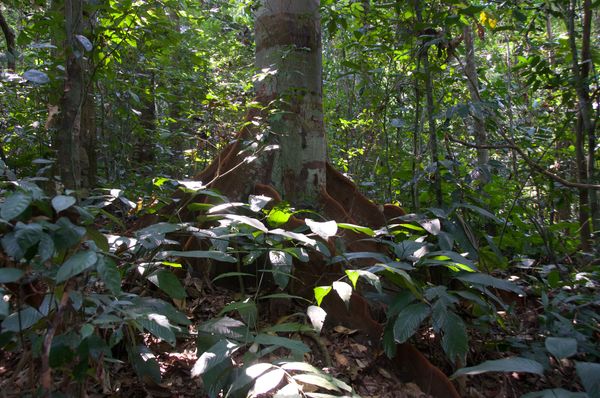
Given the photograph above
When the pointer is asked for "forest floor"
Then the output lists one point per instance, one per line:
(365, 368)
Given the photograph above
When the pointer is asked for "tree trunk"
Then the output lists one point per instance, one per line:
(69, 134)
(288, 42)
(433, 142)
(9, 36)
(584, 126)
(479, 132)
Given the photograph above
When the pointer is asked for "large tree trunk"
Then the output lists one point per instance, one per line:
(288, 42)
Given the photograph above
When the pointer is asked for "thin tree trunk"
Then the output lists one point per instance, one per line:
(433, 144)
(416, 161)
(587, 113)
(479, 131)
(9, 36)
(583, 126)
(69, 134)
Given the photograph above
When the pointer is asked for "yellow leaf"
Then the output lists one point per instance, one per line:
(482, 17)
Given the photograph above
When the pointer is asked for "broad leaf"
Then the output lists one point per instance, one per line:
(62, 202)
(85, 42)
(212, 254)
(21, 320)
(488, 280)
(14, 205)
(513, 364)
(357, 228)
(160, 327)
(343, 290)
(218, 353)
(556, 393)
(455, 340)
(317, 317)
(324, 229)
(561, 347)
(109, 273)
(589, 373)
(168, 283)
(76, 264)
(268, 381)
(10, 275)
(282, 267)
(321, 292)
(248, 221)
(296, 346)
(36, 76)
(409, 320)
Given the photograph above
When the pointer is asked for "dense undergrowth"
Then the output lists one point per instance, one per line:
(88, 283)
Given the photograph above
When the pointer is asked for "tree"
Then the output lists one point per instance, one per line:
(289, 156)
(9, 36)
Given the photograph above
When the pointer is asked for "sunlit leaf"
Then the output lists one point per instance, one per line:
(324, 229)
(317, 317)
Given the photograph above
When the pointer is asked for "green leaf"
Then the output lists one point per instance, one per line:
(212, 254)
(45, 247)
(513, 364)
(168, 283)
(282, 267)
(371, 278)
(277, 216)
(160, 228)
(324, 229)
(28, 235)
(589, 373)
(10, 275)
(357, 228)
(76, 264)
(248, 221)
(247, 309)
(22, 320)
(36, 76)
(99, 239)
(455, 340)
(353, 276)
(359, 256)
(295, 346)
(481, 211)
(556, 393)
(14, 205)
(409, 320)
(289, 391)
(62, 202)
(561, 347)
(343, 290)
(217, 354)
(488, 280)
(317, 317)
(160, 327)
(11, 246)
(144, 363)
(109, 273)
(321, 292)
(288, 328)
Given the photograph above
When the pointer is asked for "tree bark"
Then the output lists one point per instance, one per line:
(479, 131)
(288, 42)
(69, 134)
(584, 126)
(9, 36)
(433, 142)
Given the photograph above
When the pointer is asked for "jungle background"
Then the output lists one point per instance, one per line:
(123, 274)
